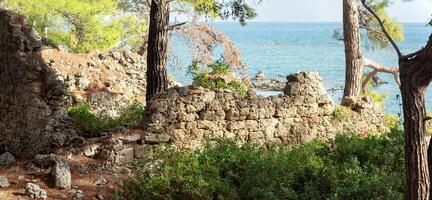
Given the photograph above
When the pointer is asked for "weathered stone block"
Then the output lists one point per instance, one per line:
(124, 156)
(142, 151)
(130, 138)
(62, 175)
(256, 135)
(156, 138)
(238, 125)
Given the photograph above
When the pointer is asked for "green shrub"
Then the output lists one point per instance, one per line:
(341, 114)
(377, 98)
(213, 76)
(348, 168)
(392, 121)
(92, 125)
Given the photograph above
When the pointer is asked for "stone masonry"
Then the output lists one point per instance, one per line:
(32, 109)
(38, 85)
(107, 82)
(192, 116)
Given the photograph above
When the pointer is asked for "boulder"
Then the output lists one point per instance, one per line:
(82, 168)
(45, 160)
(35, 191)
(91, 150)
(7, 158)
(62, 175)
(4, 182)
(260, 76)
(100, 180)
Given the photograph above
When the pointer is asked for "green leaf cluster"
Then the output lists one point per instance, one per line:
(225, 9)
(92, 125)
(80, 25)
(349, 167)
(372, 27)
(214, 76)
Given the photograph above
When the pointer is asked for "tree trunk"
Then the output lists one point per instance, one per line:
(353, 55)
(415, 75)
(157, 79)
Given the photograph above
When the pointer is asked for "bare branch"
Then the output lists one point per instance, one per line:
(366, 80)
(172, 27)
(377, 68)
(381, 23)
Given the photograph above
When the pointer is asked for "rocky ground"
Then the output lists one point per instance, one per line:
(69, 176)
(91, 168)
(93, 184)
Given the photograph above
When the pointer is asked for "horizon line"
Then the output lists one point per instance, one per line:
(268, 21)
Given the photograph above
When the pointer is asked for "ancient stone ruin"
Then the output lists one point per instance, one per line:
(32, 107)
(37, 85)
(107, 82)
(192, 116)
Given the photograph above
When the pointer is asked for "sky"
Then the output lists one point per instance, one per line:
(331, 10)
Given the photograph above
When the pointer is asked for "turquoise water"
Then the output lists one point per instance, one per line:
(281, 48)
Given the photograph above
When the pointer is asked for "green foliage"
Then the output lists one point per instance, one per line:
(341, 113)
(373, 29)
(215, 76)
(377, 98)
(80, 25)
(348, 168)
(232, 9)
(392, 121)
(92, 125)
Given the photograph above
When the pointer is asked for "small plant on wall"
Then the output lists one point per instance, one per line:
(217, 75)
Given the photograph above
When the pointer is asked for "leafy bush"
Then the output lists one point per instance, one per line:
(213, 76)
(82, 26)
(392, 121)
(377, 97)
(349, 167)
(341, 114)
(92, 125)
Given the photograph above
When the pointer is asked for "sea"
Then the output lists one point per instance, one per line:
(282, 48)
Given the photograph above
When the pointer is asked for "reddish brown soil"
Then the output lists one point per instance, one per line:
(84, 182)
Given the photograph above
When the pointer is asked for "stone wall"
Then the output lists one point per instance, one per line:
(106, 82)
(38, 85)
(32, 109)
(192, 116)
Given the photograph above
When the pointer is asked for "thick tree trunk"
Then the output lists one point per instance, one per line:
(353, 55)
(157, 79)
(415, 75)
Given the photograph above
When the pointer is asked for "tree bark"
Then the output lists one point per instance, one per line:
(415, 75)
(353, 55)
(157, 79)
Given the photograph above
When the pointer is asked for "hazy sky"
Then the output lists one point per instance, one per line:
(331, 10)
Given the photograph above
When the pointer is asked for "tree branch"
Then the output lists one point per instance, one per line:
(376, 67)
(172, 27)
(381, 23)
(371, 30)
